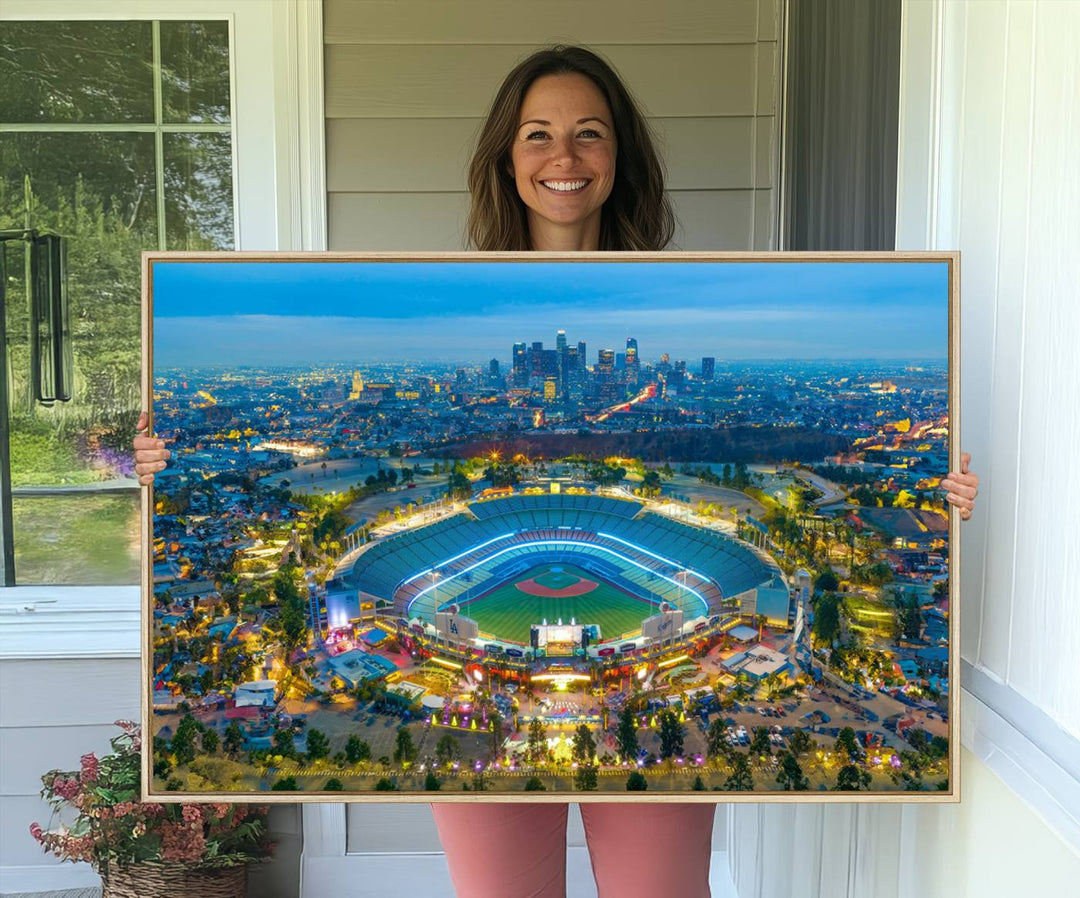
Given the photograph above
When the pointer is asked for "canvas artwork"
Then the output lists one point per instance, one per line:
(595, 527)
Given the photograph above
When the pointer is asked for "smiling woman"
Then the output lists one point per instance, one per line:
(561, 117)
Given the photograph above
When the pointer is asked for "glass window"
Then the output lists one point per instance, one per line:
(117, 136)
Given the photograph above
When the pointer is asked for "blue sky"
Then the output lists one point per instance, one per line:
(261, 313)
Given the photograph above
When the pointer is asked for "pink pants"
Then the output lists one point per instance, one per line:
(637, 850)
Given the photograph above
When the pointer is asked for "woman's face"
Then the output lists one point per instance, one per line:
(563, 154)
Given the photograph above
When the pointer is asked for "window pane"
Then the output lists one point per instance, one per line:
(195, 71)
(76, 72)
(80, 540)
(98, 191)
(198, 191)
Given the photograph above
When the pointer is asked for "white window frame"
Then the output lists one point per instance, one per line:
(279, 190)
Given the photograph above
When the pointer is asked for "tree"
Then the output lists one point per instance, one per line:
(851, 779)
(827, 619)
(636, 782)
(626, 734)
(447, 749)
(717, 745)
(760, 744)
(318, 746)
(284, 743)
(790, 775)
(234, 739)
(535, 784)
(741, 778)
(585, 778)
(584, 746)
(386, 785)
(357, 750)
(916, 739)
(911, 618)
(699, 785)
(183, 741)
(333, 785)
(800, 743)
(404, 749)
(285, 784)
(847, 743)
(826, 581)
(209, 741)
(431, 782)
(672, 733)
(537, 745)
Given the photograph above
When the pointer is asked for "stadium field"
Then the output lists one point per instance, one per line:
(510, 608)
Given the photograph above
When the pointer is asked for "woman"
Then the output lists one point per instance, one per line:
(565, 163)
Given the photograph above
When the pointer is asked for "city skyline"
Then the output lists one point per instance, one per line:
(472, 312)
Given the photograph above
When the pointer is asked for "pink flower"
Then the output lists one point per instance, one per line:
(65, 788)
(89, 767)
(180, 842)
(191, 813)
(37, 832)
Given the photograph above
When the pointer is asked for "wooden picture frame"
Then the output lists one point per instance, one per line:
(230, 643)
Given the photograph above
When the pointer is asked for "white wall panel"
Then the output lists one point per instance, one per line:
(1045, 625)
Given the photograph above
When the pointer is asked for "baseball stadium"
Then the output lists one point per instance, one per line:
(530, 577)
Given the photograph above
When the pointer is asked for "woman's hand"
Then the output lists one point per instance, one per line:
(962, 487)
(150, 453)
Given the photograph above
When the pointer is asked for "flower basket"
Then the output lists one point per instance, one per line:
(149, 849)
(164, 880)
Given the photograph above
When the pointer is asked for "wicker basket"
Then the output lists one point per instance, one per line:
(150, 880)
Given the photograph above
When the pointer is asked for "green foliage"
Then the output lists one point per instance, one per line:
(847, 743)
(716, 744)
(800, 743)
(790, 776)
(318, 746)
(851, 779)
(583, 746)
(759, 744)
(636, 782)
(699, 785)
(333, 785)
(827, 619)
(432, 782)
(283, 743)
(672, 734)
(741, 778)
(387, 785)
(210, 741)
(585, 778)
(626, 734)
(404, 748)
(357, 750)
(535, 784)
(447, 749)
(826, 581)
(285, 784)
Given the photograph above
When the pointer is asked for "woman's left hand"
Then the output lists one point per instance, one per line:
(962, 487)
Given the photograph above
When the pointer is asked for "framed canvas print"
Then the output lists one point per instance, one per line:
(602, 526)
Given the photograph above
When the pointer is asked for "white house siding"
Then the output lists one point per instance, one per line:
(408, 83)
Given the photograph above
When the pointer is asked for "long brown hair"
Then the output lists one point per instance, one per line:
(636, 216)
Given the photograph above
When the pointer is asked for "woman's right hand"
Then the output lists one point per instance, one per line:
(150, 453)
